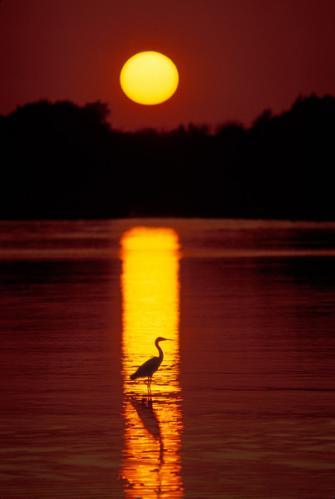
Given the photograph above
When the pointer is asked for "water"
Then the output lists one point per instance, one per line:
(243, 405)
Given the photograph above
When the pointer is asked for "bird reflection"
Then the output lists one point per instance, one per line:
(146, 450)
(151, 459)
(149, 418)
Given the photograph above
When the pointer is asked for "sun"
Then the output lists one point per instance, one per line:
(149, 78)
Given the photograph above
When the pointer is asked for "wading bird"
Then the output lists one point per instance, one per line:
(149, 367)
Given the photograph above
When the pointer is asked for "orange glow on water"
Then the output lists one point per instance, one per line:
(150, 296)
(150, 290)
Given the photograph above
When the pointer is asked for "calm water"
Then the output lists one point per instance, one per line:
(243, 405)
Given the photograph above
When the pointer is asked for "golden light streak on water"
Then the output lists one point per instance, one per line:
(150, 296)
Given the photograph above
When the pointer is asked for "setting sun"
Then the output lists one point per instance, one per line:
(149, 78)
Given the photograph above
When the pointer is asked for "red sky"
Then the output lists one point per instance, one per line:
(235, 57)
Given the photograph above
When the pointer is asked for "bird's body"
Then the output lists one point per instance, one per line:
(148, 368)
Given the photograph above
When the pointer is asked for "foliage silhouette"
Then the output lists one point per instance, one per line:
(61, 160)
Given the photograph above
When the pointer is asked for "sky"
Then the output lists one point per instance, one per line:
(235, 57)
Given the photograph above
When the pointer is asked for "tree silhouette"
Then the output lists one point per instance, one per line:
(61, 160)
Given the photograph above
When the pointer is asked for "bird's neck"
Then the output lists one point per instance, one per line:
(161, 355)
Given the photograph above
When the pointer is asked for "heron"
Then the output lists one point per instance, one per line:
(149, 367)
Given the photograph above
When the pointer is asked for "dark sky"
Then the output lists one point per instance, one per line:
(235, 57)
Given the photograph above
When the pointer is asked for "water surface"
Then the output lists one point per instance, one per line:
(243, 405)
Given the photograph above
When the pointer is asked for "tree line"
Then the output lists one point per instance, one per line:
(62, 160)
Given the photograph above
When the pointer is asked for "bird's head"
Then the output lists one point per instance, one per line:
(160, 338)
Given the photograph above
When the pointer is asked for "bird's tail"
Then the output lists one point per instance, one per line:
(133, 376)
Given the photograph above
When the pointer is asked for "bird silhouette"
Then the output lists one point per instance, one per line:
(148, 368)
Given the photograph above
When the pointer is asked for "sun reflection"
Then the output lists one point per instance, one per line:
(150, 291)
